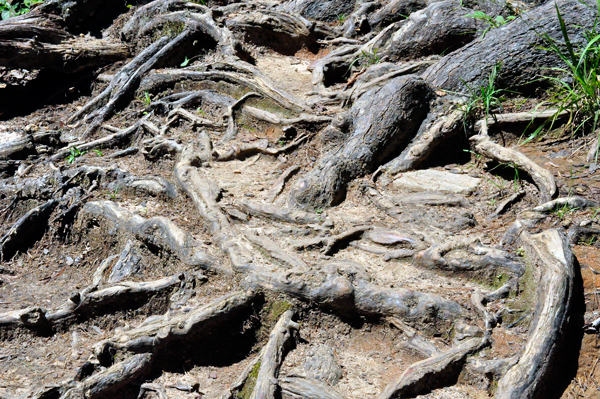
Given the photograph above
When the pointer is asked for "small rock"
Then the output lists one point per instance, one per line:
(46, 251)
(437, 180)
(213, 375)
(69, 261)
(584, 223)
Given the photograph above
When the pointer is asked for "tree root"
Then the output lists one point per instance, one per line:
(302, 119)
(280, 183)
(357, 296)
(294, 387)
(282, 337)
(113, 140)
(566, 202)
(276, 213)
(240, 151)
(204, 194)
(276, 252)
(383, 122)
(87, 303)
(543, 178)
(156, 333)
(232, 129)
(27, 230)
(444, 123)
(331, 244)
(539, 363)
(478, 257)
(241, 75)
(436, 372)
(158, 232)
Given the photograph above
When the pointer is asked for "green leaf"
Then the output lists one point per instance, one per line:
(185, 62)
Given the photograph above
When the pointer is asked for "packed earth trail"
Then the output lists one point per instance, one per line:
(295, 199)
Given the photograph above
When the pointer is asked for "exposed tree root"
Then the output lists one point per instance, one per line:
(331, 244)
(156, 333)
(357, 296)
(244, 151)
(20, 236)
(204, 194)
(543, 178)
(288, 215)
(436, 372)
(87, 303)
(157, 232)
(538, 364)
(443, 124)
(293, 387)
(282, 337)
(383, 122)
(280, 183)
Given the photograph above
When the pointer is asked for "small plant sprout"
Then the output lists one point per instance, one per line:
(74, 153)
(492, 22)
(366, 59)
(200, 111)
(341, 18)
(485, 100)
(147, 99)
(562, 211)
(113, 194)
(185, 62)
(98, 152)
(319, 211)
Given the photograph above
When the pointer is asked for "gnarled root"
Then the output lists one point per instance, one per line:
(436, 372)
(282, 337)
(384, 119)
(539, 366)
(543, 178)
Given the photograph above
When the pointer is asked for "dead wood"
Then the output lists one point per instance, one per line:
(436, 372)
(542, 177)
(280, 340)
(574, 202)
(554, 272)
(532, 117)
(68, 56)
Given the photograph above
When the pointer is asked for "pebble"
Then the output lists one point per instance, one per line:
(213, 375)
(69, 261)
(46, 251)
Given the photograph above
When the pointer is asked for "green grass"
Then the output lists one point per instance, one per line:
(366, 59)
(491, 22)
(9, 9)
(74, 153)
(485, 100)
(576, 85)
